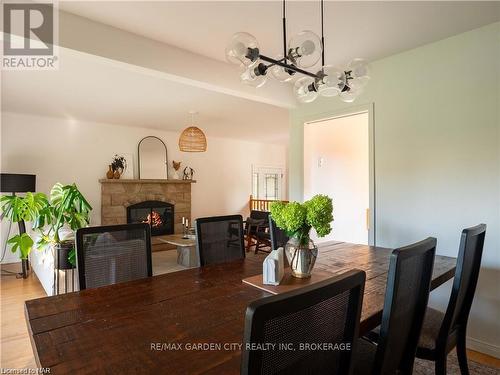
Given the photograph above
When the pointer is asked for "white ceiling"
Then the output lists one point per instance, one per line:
(99, 90)
(95, 89)
(370, 29)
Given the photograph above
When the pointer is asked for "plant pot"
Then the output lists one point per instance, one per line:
(63, 250)
(301, 257)
(110, 174)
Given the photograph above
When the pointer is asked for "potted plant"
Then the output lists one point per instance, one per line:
(297, 220)
(65, 208)
(118, 164)
(19, 209)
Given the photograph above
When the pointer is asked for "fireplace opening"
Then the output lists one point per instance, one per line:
(159, 216)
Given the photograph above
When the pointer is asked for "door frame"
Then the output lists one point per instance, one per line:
(346, 112)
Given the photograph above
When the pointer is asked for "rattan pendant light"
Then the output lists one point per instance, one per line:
(192, 139)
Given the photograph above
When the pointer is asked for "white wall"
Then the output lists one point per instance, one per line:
(336, 163)
(437, 156)
(68, 151)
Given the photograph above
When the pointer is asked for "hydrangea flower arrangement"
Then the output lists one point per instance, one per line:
(297, 219)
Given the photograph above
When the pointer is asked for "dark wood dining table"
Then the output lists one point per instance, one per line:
(186, 322)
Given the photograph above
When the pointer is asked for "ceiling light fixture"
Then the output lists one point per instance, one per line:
(304, 50)
(192, 139)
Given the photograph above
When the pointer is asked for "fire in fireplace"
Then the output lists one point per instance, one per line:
(159, 215)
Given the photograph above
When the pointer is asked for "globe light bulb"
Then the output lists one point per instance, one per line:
(304, 49)
(359, 73)
(307, 48)
(280, 73)
(332, 81)
(350, 95)
(242, 49)
(252, 76)
(305, 90)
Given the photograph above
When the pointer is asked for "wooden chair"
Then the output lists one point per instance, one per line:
(327, 312)
(441, 332)
(113, 254)
(406, 296)
(256, 229)
(220, 239)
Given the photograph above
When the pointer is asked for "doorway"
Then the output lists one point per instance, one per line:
(337, 162)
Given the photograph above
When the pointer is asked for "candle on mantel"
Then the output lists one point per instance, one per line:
(187, 223)
(183, 220)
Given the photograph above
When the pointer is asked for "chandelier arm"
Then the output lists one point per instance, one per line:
(288, 66)
(284, 30)
(322, 37)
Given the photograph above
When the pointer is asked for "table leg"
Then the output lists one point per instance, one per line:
(187, 256)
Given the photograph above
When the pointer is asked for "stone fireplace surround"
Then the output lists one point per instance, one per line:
(117, 195)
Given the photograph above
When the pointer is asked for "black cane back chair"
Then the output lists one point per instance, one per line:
(313, 328)
(220, 239)
(442, 332)
(406, 296)
(113, 254)
(279, 238)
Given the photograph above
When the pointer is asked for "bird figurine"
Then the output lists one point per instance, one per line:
(177, 166)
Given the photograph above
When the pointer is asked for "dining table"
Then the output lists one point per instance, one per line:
(185, 322)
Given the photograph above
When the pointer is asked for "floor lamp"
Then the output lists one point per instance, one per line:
(18, 183)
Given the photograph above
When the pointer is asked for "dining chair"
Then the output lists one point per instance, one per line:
(256, 226)
(220, 239)
(279, 238)
(113, 254)
(310, 330)
(406, 296)
(441, 332)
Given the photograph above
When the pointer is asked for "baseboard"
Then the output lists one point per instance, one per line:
(483, 347)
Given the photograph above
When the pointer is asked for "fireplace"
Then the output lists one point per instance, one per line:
(159, 215)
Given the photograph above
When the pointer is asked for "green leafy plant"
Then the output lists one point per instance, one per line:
(297, 219)
(16, 208)
(66, 207)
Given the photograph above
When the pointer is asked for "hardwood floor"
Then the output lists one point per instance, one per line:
(485, 359)
(15, 344)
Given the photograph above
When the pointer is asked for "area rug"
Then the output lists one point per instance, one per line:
(427, 367)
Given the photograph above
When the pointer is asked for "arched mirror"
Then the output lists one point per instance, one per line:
(153, 159)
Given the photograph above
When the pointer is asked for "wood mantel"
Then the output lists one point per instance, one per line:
(145, 181)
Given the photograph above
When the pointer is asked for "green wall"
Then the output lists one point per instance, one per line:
(437, 158)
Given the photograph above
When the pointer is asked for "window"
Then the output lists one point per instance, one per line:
(267, 182)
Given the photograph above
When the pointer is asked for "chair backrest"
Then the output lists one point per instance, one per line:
(326, 313)
(406, 296)
(259, 215)
(113, 254)
(220, 239)
(465, 281)
(279, 238)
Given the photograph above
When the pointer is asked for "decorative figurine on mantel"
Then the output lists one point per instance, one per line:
(176, 165)
(188, 173)
(118, 166)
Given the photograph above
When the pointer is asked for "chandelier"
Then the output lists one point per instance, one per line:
(304, 50)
